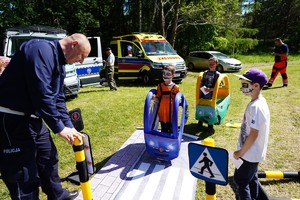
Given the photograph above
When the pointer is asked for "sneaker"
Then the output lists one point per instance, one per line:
(72, 195)
(104, 84)
(269, 84)
(113, 89)
(285, 85)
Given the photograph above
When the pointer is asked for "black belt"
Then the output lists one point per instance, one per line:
(14, 112)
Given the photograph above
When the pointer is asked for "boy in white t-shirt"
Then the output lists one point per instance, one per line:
(254, 134)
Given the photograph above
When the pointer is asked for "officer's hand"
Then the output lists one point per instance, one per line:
(69, 134)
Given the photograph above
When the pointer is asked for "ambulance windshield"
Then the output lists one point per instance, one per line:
(158, 48)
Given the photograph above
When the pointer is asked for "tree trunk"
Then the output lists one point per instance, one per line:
(155, 8)
(175, 22)
(162, 18)
(140, 15)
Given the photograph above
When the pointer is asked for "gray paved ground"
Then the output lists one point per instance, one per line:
(132, 174)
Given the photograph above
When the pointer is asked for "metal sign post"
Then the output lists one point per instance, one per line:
(209, 164)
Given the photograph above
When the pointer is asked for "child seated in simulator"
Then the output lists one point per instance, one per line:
(208, 82)
(166, 92)
(209, 79)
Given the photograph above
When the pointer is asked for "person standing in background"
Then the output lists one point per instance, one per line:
(110, 70)
(281, 53)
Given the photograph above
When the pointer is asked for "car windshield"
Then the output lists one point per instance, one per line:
(15, 42)
(158, 48)
(220, 55)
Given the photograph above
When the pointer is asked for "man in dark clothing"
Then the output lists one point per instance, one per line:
(280, 56)
(32, 94)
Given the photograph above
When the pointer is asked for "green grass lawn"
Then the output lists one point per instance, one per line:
(111, 117)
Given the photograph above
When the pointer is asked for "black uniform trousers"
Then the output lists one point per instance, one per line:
(28, 158)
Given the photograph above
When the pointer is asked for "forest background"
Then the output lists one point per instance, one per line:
(230, 26)
(234, 27)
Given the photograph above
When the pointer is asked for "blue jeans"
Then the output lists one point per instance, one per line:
(245, 180)
(28, 159)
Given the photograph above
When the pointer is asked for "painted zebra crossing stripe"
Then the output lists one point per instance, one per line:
(156, 175)
(157, 181)
(166, 180)
(188, 186)
(135, 182)
(170, 184)
(133, 165)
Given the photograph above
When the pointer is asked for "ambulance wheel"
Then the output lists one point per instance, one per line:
(146, 78)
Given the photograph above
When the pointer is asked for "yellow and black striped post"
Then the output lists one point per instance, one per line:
(81, 166)
(278, 174)
(210, 188)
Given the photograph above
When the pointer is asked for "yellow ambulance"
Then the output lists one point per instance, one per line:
(143, 56)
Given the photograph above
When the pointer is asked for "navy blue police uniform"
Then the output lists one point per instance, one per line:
(31, 93)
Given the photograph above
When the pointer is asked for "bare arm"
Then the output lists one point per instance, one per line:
(248, 143)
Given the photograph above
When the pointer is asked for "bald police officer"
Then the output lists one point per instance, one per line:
(31, 96)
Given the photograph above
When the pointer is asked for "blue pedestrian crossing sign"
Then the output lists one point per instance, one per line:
(208, 163)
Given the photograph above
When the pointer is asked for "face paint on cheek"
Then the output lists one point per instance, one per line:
(246, 87)
(167, 75)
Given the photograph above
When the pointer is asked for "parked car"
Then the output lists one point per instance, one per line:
(199, 60)
(71, 82)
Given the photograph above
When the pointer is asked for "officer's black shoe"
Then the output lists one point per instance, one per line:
(72, 195)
